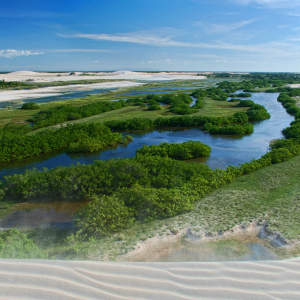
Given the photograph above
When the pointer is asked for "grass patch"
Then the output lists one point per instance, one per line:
(271, 195)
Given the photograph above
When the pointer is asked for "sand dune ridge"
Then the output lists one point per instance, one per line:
(36, 279)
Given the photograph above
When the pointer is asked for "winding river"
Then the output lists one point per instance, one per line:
(226, 150)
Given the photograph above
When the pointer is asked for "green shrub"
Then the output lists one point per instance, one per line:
(150, 203)
(279, 155)
(154, 106)
(75, 138)
(186, 150)
(246, 103)
(104, 214)
(14, 244)
(30, 105)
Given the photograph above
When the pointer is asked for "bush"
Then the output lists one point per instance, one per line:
(235, 129)
(149, 203)
(279, 155)
(244, 95)
(292, 110)
(30, 105)
(186, 150)
(154, 106)
(182, 109)
(75, 138)
(104, 214)
(246, 103)
(16, 245)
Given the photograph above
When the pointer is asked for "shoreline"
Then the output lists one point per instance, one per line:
(159, 246)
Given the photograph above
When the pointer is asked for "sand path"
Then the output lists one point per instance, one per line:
(58, 90)
(38, 279)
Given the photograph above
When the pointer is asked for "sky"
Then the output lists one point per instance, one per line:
(150, 35)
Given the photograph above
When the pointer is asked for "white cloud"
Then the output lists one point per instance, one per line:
(221, 28)
(135, 37)
(267, 50)
(224, 61)
(293, 14)
(78, 50)
(275, 4)
(10, 53)
(155, 40)
(169, 61)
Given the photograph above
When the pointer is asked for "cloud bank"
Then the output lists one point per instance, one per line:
(10, 53)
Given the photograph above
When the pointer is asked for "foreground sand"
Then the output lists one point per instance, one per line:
(38, 279)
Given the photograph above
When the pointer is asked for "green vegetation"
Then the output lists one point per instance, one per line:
(179, 103)
(229, 129)
(256, 112)
(30, 105)
(67, 112)
(153, 190)
(104, 215)
(212, 124)
(153, 105)
(214, 93)
(13, 84)
(241, 95)
(255, 82)
(186, 150)
(14, 244)
(77, 138)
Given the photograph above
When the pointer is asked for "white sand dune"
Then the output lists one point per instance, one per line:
(295, 85)
(129, 75)
(57, 90)
(38, 279)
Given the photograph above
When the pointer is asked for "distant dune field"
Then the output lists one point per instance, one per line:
(129, 75)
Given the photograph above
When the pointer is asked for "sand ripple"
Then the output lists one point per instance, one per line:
(34, 279)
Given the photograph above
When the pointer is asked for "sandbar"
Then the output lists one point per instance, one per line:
(58, 90)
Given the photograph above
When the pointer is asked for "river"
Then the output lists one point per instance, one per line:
(226, 150)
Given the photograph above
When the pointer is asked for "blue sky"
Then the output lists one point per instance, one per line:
(195, 35)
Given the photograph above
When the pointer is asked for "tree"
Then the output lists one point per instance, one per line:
(30, 105)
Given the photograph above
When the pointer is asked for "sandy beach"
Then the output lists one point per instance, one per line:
(129, 75)
(58, 90)
(295, 85)
(64, 280)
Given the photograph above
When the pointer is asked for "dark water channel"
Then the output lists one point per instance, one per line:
(226, 150)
